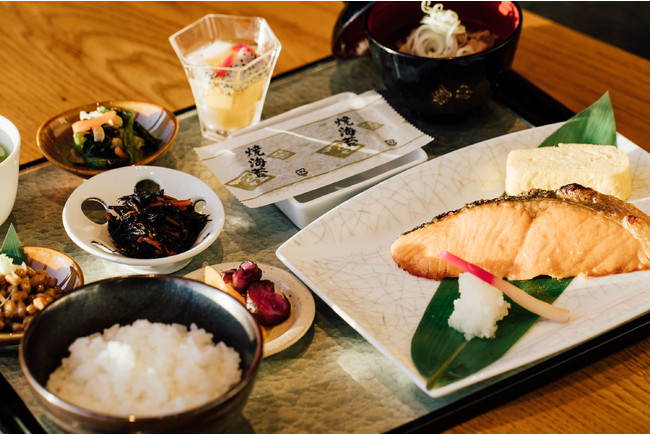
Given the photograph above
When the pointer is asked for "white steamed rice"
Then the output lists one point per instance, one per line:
(145, 369)
(478, 308)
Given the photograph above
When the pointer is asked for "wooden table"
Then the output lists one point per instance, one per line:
(59, 55)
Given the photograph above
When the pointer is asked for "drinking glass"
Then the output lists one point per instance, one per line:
(229, 85)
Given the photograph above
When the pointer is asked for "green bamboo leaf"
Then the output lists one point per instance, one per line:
(12, 246)
(442, 355)
(594, 125)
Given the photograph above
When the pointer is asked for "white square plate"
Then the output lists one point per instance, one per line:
(344, 257)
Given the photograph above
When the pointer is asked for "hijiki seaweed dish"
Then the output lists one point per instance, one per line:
(154, 225)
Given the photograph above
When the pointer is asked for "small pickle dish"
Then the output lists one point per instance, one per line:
(56, 139)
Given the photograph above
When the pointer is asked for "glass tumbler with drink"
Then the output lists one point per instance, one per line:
(228, 61)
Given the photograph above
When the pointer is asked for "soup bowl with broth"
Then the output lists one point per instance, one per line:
(452, 85)
(9, 162)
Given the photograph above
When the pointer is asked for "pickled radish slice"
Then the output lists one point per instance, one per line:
(519, 296)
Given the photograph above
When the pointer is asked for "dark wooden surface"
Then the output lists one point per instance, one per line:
(622, 24)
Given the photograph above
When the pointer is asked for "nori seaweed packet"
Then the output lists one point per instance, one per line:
(310, 147)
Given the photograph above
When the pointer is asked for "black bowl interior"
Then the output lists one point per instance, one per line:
(168, 299)
(391, 22)
(446, 87)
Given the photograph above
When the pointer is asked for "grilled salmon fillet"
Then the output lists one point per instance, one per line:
(571, 231)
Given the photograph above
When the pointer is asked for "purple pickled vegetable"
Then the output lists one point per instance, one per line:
(227, 276)
(267, 306)
(247, 273)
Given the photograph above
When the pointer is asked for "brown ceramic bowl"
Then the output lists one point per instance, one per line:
(122, 300)
(58, 265)
(54, 137)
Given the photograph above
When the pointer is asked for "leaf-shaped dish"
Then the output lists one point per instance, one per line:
(54, 137)
(385, 304)
(442, 355)
(12, 247)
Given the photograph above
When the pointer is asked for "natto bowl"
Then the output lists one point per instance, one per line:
(54, 137)
(442, 87)
(122, 300)
(57, 265)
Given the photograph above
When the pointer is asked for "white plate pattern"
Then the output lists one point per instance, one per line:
(303, 309)
(344, 257)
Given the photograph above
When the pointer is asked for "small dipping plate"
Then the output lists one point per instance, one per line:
(303, 309)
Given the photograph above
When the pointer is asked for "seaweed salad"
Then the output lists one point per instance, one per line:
(154, 225)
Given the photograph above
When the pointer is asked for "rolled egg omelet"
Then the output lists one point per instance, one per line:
(606, 169)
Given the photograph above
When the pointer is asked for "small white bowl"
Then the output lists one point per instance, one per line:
(115, 183)
(10, 140)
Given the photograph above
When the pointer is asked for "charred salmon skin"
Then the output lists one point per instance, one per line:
(571, 231)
